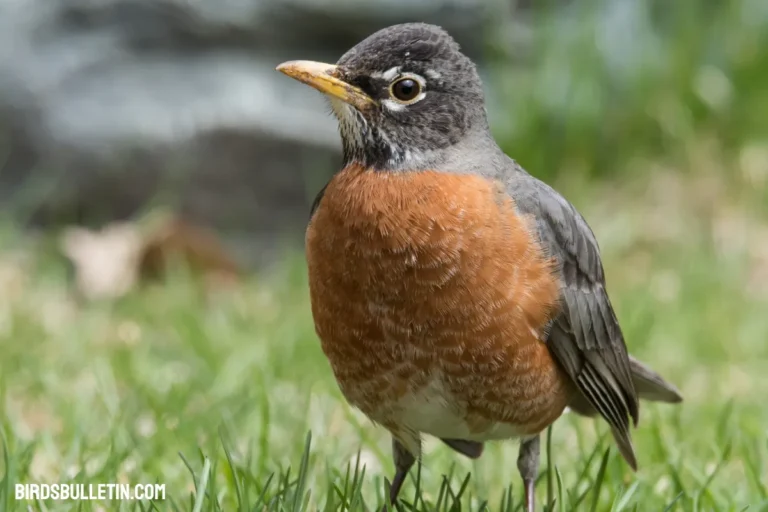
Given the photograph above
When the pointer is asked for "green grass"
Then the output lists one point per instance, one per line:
(596, 83)
(214, 395)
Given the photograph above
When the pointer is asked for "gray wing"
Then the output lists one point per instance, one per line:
(316, 201)
(585, 337)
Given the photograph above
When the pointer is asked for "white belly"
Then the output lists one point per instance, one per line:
(433, 411)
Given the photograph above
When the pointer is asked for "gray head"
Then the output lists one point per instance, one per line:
(405, 97)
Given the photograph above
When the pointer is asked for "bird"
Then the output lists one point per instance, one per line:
(454, 294)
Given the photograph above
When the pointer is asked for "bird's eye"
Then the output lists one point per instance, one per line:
(405, 90)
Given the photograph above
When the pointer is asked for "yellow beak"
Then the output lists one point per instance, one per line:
(325, 78)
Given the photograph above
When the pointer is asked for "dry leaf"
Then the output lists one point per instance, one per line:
(105, 261)
(176, 241)
(112, 261)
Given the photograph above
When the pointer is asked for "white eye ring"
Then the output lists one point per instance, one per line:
(421, 90)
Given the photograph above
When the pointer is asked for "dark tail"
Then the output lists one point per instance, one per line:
(648, 384)
(651, 386)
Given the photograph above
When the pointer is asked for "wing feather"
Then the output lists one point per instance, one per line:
(585, 338)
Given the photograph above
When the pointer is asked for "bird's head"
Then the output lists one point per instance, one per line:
(404, 97)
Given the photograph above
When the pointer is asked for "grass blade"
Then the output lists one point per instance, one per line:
(507, 501)
(560, 493)
(417, 492)
(189, 468)
(235, 477)
(672, 503)
(302, 479)
(754, 469)
(262, 499)
(8, 471)
(599, 480)
(622, 501)
(200, 495)
(463, 488)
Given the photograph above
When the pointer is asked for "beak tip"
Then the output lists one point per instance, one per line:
(293, 67)
(325, 78)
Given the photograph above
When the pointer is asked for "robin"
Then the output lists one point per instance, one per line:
(454, 294)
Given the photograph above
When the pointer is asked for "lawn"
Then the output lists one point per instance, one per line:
(215, 394)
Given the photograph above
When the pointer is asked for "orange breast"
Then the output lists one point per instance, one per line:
(418, 278)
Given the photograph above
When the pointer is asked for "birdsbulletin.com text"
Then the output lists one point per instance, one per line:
(86, 492)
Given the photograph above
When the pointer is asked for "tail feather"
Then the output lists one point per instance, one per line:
(624, 443)
(649, 386)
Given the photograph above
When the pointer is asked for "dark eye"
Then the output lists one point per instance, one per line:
(405, 90)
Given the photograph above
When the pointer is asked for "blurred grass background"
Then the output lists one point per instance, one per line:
(649, 116)
(599, 84)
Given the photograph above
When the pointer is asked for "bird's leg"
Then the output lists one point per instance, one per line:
(404, 460)
(528, 465)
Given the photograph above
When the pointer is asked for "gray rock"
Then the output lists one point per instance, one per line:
(107, 105)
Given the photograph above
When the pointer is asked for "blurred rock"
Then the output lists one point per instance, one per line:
(106, 105)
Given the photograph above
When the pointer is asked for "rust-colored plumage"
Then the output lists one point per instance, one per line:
(430, 296)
